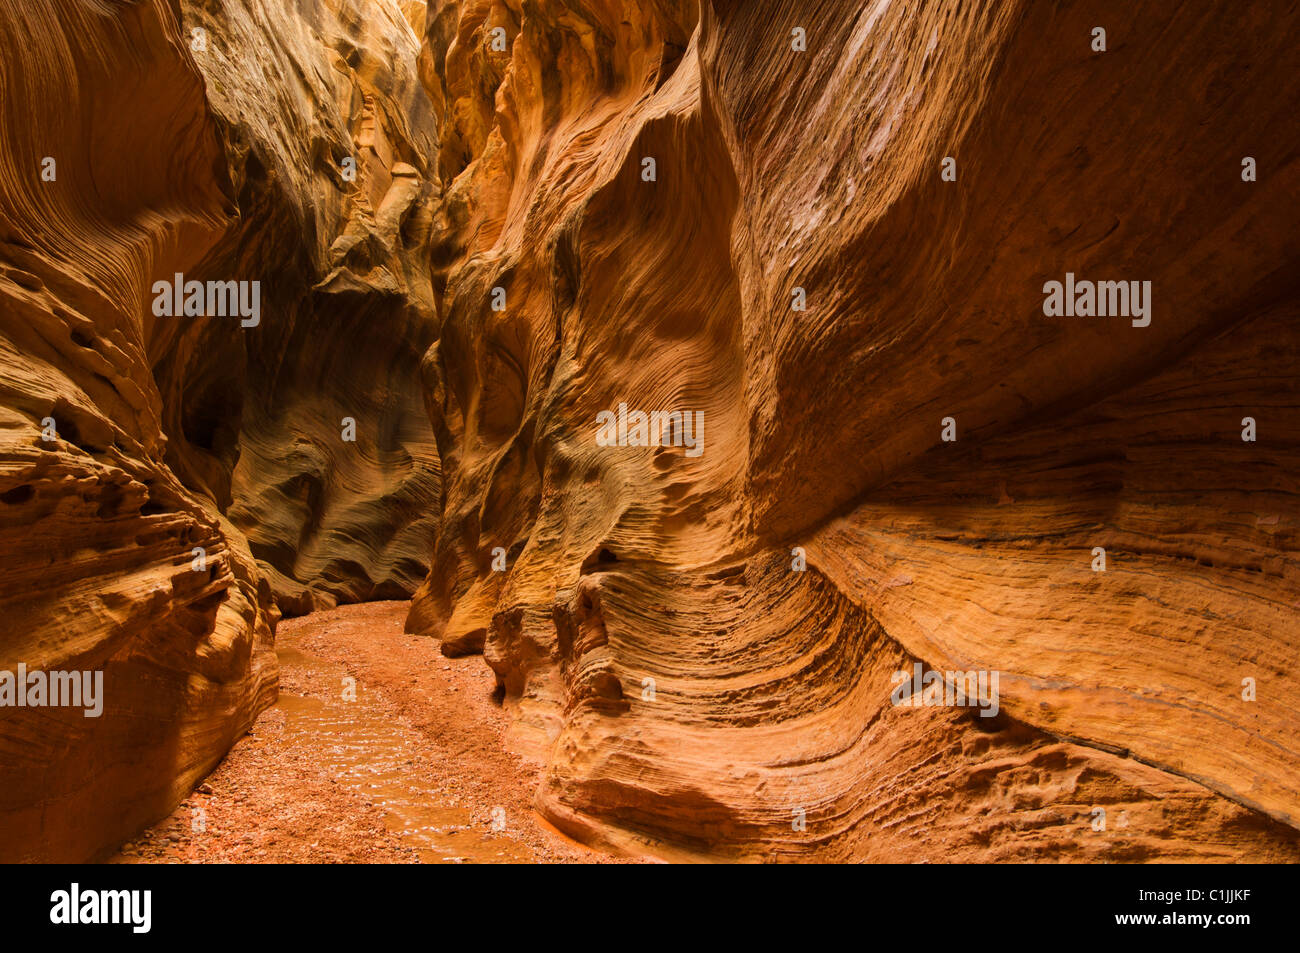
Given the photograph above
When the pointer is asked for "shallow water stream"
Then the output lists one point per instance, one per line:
(367, 751)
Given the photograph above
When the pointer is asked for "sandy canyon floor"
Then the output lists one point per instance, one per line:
(414, 770)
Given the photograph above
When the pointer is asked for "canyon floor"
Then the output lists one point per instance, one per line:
(414, 770)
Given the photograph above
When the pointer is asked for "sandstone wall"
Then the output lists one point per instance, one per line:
(217, 155)
(700, 649)
(821, 169)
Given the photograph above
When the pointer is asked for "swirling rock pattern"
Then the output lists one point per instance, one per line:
(821, 228)
(689, 690)
(342, 254)
(206, 139)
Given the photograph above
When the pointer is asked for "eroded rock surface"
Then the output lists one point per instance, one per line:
(479, 225)
(214, 154)
(342, 254)
(689, 690)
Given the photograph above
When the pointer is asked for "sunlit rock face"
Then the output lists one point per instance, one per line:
(170, 484)
(704, 648)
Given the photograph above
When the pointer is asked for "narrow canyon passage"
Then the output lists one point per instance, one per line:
(821, 431)
(378, 750)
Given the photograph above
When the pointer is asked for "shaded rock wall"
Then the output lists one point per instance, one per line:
(217, 155)
(689, 691)
(342, 256)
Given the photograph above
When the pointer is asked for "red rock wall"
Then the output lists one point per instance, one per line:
(344, 267)
(821, 169)
(700, 649)
(219, 160)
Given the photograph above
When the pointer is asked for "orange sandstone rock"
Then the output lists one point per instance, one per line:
(693, 693)
(513, 248)
(168, 485)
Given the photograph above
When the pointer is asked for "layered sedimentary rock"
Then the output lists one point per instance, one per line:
(703, 647)
(312, 425)
(167, 480)
(488, 235)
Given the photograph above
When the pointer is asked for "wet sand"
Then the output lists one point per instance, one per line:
(414, 770)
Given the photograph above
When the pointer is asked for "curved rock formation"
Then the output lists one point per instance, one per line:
(703, 647)
(329, 138)
(165, 481)
(492, 240)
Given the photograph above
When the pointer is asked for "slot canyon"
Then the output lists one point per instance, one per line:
(651, 412)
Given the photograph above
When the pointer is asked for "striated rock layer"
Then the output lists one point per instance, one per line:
(259, 415)
(822, 232)
(204, 139)
(702, 647)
